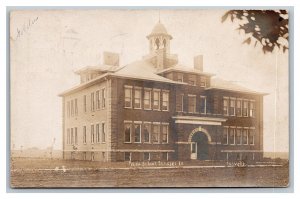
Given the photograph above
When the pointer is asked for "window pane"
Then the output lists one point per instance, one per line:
(128, 97)
(238, 108)
(137, 98)
(103, 132)
(155, 134)
(127, 156)
(179, 102)
(165, 104)
(231, 136)
(137, 134)
(245, 108)
(127, 132)
(203, 105)
(225, 106)
(165, 134)
(192, 104)
(238, 139)
(147, 99)
(252, 109)
(232, 107)
(146, 156)
(251, 136)
(146, 133)
(156, 95)
(225, 136)
(245, 136)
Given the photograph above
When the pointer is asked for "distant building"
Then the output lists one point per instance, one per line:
(157, 109)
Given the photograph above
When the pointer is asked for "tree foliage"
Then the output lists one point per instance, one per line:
(268, 27)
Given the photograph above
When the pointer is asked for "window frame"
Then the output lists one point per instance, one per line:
(158, 100)
(232, 99)
(162, 133)
(195, 104)
(149, 132)
(84, 134)
(103, 98)
(128, 88)
(205, 104)
(137, 123)
(127, 123)
(227, 135)
(181, 96)
(149, 90)
(156, 124)
(103, 132)
(137, 89)
(168, 100)
(226, 99)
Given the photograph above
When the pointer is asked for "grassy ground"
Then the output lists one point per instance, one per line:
(34, 173)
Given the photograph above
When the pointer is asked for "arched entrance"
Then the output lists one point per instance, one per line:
(199, 146)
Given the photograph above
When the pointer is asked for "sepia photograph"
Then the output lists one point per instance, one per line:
(151, 98)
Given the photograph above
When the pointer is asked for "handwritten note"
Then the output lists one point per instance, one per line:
(26, 27)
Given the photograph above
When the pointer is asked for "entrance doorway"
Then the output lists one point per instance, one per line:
(199, 146)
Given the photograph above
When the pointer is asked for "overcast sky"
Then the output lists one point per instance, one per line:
(45, 54)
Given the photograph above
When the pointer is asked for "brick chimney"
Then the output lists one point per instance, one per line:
(110, 58)
(198, 62)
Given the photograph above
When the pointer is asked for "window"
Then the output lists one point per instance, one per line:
(72, 136)
(127, 156)
(84, 134)
(103, 97)
(137, 98)
(179, 102)
(245, 108)
(192, 80)
(147, 133)
(147, 156)
(231, 136)
(155, 133)
(147, 99)
(202, 81)
(251, 136)
(84, 103)
(128, 97)
(68, 109)
(103, 156)
(165, 100)
(179, 77)
(76, 138)
(238, 108)
(127, 132)
(92, 134)
(92, 102)
(68, 136)
(225, 135)
(98, 100)
(192, 104)
(84, 155)
(245, 136)
(203, 104)
(232, 107)
(252, 109)
(72, 108)
(97, 133)
(225, 106)
(137, 133)
(165, 132)
(76, 107)
(238, 139)
(103, 132)
(156, 100)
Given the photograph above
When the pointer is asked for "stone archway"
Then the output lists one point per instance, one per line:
(200, 140)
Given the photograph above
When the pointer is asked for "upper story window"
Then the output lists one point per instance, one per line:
(245, 108)
(147, 99)
(84, 103)
(238, 138)
(203, 104)
(76, 106)
(192, 80)
(225, 105)
(72, 108)
(192, 103)
(147, 129)
(155, 133)
(98, 133)
(103, 96)
(231, 136)
(165, 133)
(92, 101)
(179, 102)
(238, 107)
(165, 100)
(137, 98)
(156, 99)
(103, 132)
(75, 136)
(202, 81)
(245, 137)
(137, 132)
(225, 136)
(179, 77)
(128, 97)
(127, 132)
(232, 107)
(252, 109)
(251, 136)
(98, 100)
(68, 109)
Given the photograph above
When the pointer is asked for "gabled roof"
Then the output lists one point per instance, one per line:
(99, 68)
(221, 84)
(142, 70)
(184, 69)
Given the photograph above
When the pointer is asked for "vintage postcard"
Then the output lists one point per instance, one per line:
(149, 98)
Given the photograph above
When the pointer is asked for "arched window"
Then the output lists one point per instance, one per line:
(157, 43)
(164, 43)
